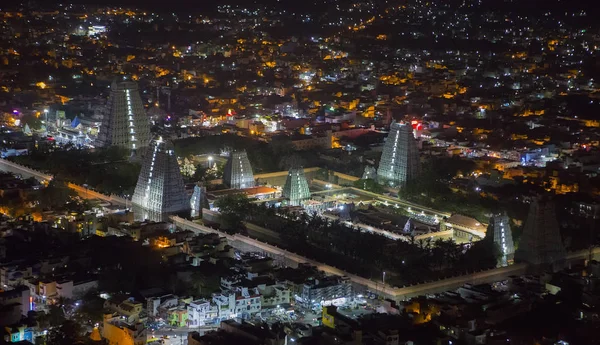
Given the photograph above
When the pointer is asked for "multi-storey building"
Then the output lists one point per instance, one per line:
(400, 161)
(238, 171)
(296, 187)
(201, 312)
(118, 332)
(125, 122)
(326, 289)
(243, 303)
(15, 304)
(160, 189)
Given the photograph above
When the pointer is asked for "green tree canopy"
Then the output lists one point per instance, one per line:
(369, 185)
(55, 195)
(234, 209)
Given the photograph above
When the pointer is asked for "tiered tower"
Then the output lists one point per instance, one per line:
(198, 200)
(296, 187)
(541, 242)
(400, 161)
(238, 171)
(125, 122)
(369, 173)
(500, 233)
(160, 189)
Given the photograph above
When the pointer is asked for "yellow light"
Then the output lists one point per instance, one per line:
(41, 85)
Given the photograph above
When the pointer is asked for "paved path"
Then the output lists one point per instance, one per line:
(25, 172)
(396, 293)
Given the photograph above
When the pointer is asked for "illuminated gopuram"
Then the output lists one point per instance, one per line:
(238, 171)
(198, 200)
(500, 233)
(369, 173)
(541, 243)
(160, 190)
(400, 161)
(125, 122)
(296, 187)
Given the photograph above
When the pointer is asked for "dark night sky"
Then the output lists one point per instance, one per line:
(526, 6)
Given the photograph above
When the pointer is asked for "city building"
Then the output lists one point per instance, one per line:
(207, 248)
(14, 305)
(499, 231)
(238, 171)
(296, 187)
(233, 332)
(201, 312)
(160, 189)
(243, 303)
(541, 243)
(128, 308)
(125, 122)
(118, 332)
(19, 333)
(325, 290)
(400, 158)
(52, 289)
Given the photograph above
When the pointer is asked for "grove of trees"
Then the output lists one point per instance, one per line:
(358, 252)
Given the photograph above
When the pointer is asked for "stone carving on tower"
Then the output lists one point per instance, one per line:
(296, 187)
(238, 171)
(541, 243)
(400, 161)
(160, 190)
(124, 123)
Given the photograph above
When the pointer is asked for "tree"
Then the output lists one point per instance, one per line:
(53, 318)
(32, 120)
(68, 333)
(291, 161)
(483, 254)
(234, 209)
(187, 168)
(369, 185)
(92, 308)
(56, 195)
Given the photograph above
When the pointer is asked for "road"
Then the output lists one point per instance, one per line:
(177, 336)
(333, 188)
(25, 172)
(83, 192)
(386, 290)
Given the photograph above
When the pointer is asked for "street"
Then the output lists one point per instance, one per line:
(176, 335)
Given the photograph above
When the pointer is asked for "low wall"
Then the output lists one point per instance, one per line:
(25, 171)
(292, 259)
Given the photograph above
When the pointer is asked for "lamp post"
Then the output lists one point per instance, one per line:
(210, 159)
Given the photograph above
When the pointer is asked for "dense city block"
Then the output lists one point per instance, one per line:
(343, 172)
